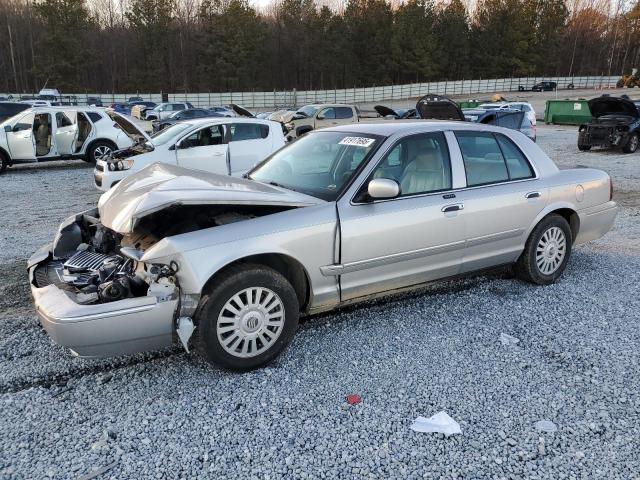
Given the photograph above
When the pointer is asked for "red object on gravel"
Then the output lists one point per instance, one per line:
(353, 399)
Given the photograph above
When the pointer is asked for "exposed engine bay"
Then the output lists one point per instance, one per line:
(97, 265)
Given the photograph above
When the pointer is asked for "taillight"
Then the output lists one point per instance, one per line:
(610, 189)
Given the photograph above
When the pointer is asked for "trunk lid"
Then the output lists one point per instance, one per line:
(160, 186)
(438, 107)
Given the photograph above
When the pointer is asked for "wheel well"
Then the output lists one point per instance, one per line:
(287, 266)
(104, 140)
(572, 219)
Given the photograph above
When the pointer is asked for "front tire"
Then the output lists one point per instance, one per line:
(632, 144)
(584, 148)
(99, 150)
(247, 317)
(546, 252)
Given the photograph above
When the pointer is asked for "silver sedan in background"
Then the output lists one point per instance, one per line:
(338, 216)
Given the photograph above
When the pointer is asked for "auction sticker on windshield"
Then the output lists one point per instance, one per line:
(357, 141)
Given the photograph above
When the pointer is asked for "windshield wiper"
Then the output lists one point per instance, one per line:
(276, 184)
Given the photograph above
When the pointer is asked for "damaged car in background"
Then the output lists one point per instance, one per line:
(615, 124)
(341, 215)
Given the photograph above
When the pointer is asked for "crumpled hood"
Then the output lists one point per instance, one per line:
(160, 186)
(612, 106)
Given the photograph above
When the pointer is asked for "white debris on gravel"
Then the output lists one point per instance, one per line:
(508, 340)
(441, 422)
(170, 415)
(546, 426)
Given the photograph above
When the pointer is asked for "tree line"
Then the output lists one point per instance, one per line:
(228, 45)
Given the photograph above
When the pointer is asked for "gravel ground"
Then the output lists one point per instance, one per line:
(169, 415)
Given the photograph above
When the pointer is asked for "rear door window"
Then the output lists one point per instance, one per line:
(248, 131)
(491, 158)
(343, 112)
(483, 160)
(517, 164)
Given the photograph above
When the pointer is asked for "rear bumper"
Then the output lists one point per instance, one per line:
(596, 221)
(102, 330)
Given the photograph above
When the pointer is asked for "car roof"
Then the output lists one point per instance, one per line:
(210, 120)
(66, 108)
(392, 127)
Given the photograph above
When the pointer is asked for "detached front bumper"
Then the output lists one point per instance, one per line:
(101, 330)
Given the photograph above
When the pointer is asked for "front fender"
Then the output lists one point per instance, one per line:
(202, 254)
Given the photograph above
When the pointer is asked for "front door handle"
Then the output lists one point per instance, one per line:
(217, 154)
(533, 195)
(453, 208)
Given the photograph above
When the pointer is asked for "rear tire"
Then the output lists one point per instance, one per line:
(99, 150)
(632, 144)
(546, 252)
(248, 316)
(4, 162)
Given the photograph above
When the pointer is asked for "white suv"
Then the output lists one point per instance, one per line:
(164, 110)
(227, 146)
(52, 133)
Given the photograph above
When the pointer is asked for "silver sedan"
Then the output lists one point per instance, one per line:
(340, 215)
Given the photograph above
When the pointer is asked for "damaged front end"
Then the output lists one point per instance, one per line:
(94, 295)
(115, 280)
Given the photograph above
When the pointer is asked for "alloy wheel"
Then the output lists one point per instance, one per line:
(551, 250)
(102, 152)
(250, 322)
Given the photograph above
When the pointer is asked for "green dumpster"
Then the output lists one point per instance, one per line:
(567, 112)
(469, 104)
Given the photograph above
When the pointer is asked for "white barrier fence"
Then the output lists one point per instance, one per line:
(266, 100)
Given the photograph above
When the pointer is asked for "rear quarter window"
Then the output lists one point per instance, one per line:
(94, 116)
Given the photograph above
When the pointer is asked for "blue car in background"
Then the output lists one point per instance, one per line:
(123, 108)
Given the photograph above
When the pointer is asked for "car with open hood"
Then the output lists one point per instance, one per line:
(340, 215)
(181, 115)
(615, 124)
(228, 146)
(51, 133)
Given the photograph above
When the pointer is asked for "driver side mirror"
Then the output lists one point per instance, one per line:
(383, 188)
(7, 128)
(320, 116)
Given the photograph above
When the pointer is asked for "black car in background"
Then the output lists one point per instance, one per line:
(615, 124)
(96, 101)
(9, 109)
(183, 115)
(545, 86)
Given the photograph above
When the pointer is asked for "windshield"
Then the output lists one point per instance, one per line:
(319, 164)
(169, 133)
(308, 111)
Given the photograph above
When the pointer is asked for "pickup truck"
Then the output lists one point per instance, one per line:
(315, 116)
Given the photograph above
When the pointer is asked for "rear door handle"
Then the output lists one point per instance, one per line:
(533, 195)
(453, 208)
